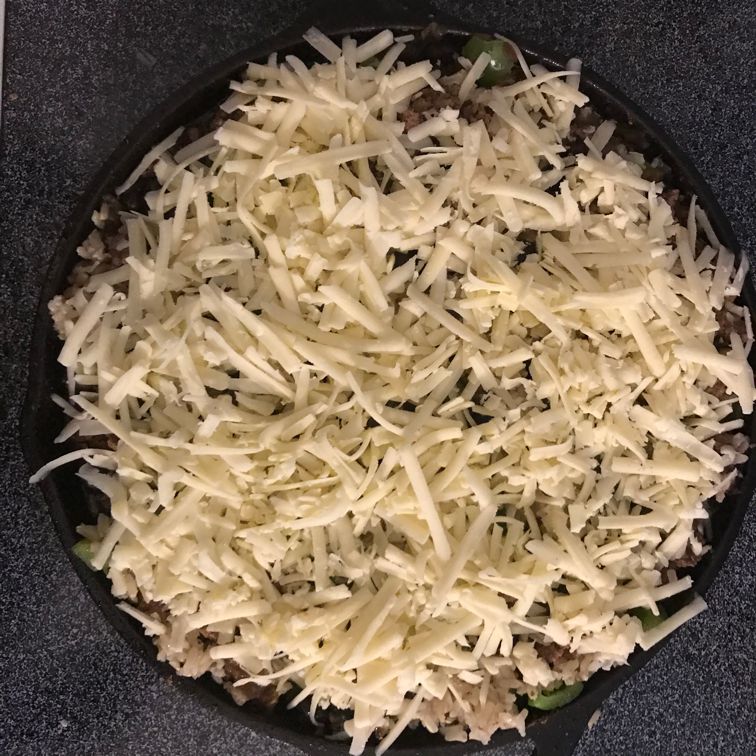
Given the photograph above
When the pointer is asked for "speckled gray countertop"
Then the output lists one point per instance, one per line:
(80, 73)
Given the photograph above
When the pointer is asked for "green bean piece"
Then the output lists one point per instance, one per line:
(501, 62)
(83, 550)
(556, 698)
(648, 619)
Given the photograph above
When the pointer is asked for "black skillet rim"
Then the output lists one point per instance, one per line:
(556, 732)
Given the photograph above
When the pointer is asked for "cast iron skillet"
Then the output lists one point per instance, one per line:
(69, 500)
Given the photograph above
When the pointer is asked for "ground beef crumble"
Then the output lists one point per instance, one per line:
(205, 124)
(733, 322)
(584, 124)
(554, 654)
(156, 609)
(429, 103)
(689, 559)
(265, 695)
(678, 204)
(719, 390)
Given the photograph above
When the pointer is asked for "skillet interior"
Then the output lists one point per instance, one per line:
(71, 503)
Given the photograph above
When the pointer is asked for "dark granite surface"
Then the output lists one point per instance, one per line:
(80, 73)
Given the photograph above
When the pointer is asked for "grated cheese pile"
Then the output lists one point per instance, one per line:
(396, 409)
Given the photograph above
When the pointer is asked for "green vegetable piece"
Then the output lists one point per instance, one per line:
(83, 550)
(501, 62)
(648, 619)
(555, 699)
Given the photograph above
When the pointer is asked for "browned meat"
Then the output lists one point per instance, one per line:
(672, 197)
(264, 695)
(687, 560)
(631, 137)
(679, 203)
(657, 170)
(111, 221)
(207, 638)
(583, 125)
(106, 441)
(155, 608)
(234, 671)
(737, 441)
(204, 124)
(553, 654)
(475, 111)
(719, 390)
(411, 118)
(133, 199)
(730, 322)
(425, 105)
(189, 135)
(428, 103)
(218, 120)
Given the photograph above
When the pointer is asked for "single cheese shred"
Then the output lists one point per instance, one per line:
(412, 391)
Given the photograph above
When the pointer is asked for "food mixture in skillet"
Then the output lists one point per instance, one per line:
(406, 386)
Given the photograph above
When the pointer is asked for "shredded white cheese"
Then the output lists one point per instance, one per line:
(393, 406)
